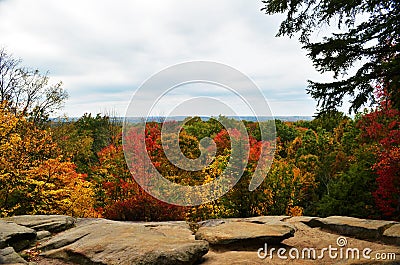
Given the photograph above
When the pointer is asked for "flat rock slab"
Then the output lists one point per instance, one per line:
(51, 223)
(111, 242)
(305, 237)
(350, 226)
(244, 233)
(162, 223)
(42, 234)
(392, 235)
(15, 235)
(9, 256)
(212, 222)
(303, 219)
(272, 219)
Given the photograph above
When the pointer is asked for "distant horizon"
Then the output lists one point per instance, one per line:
(204, 118)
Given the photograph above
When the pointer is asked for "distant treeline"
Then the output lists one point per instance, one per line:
(330, 165)
(203, 118)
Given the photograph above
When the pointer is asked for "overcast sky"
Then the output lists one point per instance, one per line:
(104, 50)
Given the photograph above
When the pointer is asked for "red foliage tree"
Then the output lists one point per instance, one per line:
(124, 198)
(382, 128)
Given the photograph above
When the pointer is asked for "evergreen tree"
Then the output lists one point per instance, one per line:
(368, 35)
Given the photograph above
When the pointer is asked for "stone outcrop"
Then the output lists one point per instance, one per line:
(244, 233)
(17, 236)
(111, 242)
(63, 240)
(305, 238)
(9, 256)
(272, 219)
(51, 223)
(358, 228)
(392, 235)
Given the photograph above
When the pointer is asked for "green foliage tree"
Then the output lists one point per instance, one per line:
(73, 144)
(83, 139)
(103, 129)
(200, 129)
(368, 34)
(351, 194)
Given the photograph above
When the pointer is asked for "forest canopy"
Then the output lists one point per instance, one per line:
(331, 165)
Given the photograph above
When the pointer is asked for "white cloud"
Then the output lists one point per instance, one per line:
(103, 50)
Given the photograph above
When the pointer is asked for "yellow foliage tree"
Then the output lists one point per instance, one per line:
(34, 179)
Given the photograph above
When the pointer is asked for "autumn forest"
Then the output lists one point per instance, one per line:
(331, 165)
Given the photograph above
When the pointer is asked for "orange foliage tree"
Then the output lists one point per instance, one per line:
(34, 179)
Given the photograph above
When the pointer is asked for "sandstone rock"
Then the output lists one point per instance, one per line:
(258, 220)
(111, 242)
(350, 226)
(304, 237)
(9, 256)
(52, 223)
(392, 235)
(163, 223)
(244, 233)
(173, 231)
(277, 220)
(15, 235)
(211, 222)
(233, 241)
(303, 219)
(42, 234)
(272, 219)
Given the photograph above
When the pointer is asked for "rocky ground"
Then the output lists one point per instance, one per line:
(60, 240)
